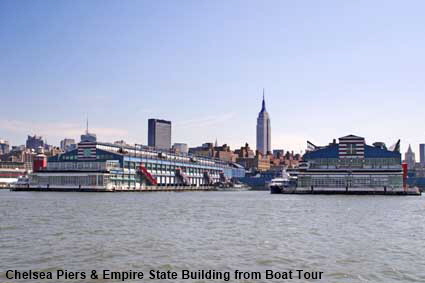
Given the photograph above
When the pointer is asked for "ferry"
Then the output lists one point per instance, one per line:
(259, 180)
(285, 183)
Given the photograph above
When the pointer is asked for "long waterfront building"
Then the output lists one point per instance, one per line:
(106, 166)
(352, 165)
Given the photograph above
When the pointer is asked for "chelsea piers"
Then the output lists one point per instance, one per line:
(97, 166)
(351, 167)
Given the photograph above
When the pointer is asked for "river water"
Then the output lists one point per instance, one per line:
(348, 238)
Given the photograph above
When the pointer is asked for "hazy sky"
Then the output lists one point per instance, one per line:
(329, 68)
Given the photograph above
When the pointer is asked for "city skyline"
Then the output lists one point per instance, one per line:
(327, 73)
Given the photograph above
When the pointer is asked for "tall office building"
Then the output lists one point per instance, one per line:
(422, 154)
(409, 158)
(159, 133)
(4, 147)
(263, 130)
(67, 145)
(34, 142)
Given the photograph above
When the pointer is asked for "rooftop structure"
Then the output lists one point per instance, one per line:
(87, 136)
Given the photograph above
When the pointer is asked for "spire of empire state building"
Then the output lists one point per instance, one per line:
(263, 108)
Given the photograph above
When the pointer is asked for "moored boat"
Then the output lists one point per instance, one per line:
(282, 184)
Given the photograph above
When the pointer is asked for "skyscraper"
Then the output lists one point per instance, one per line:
(67, 145)
(34, 142)
(263, 130)
(159, 133)
(409, 157)
(4, 147)
(422, 154)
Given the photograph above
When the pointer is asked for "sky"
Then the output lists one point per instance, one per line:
(329, 68)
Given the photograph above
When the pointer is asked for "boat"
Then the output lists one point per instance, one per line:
(259, 180)
(282, 184)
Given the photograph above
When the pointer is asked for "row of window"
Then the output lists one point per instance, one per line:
(338, 182)
(156, 168)
(91, 180)
(98, 157)
(355, 162)
(161, 181)
(76, 165)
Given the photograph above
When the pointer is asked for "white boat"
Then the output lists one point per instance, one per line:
(284, 182)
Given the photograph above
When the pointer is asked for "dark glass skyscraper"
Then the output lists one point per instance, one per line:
(159, 133)
(422, 154)
(34, 142)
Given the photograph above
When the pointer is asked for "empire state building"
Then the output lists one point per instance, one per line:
(263, 130)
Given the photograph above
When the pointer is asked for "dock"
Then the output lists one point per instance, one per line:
(353, 191)
(116, 189)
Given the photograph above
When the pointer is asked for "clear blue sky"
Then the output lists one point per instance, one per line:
(330, 68)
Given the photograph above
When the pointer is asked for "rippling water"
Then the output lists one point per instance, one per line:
(349, 238)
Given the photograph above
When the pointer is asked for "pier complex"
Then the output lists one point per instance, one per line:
(353, 167)
(97, 166)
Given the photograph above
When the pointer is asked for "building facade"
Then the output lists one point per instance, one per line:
(256, 163)
(90, 137)
(224, 153)
(107, 166)
(159, 134)
(245, 152)
(34, 142)
(206, 149)
(263, 130)
(67, 145)
(351, 164)
(181, 148)
(422, 154)
(4, 147)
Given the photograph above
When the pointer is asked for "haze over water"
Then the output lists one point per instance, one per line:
(349, 238)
